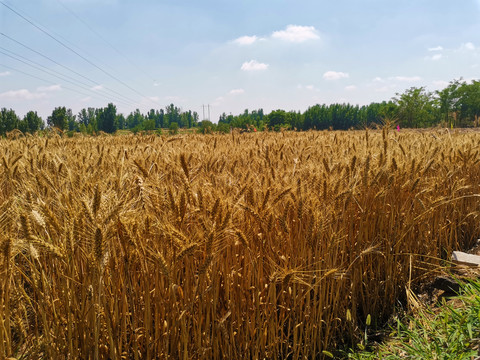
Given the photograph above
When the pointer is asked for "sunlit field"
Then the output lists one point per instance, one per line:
(260, 245)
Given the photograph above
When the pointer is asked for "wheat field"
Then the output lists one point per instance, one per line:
(240, 246)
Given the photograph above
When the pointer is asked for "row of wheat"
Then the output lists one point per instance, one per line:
(224, 246)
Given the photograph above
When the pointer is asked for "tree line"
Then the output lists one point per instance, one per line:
(92, 120)
(457, 105)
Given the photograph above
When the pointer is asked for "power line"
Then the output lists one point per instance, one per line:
(44, 80)
(61, 77)
(65, 67)
(208, 111)
(149, 77)
(74, 51)
(38, 64)
(48, 58)
(54, 73)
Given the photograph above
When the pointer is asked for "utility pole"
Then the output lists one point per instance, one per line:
(208, 112)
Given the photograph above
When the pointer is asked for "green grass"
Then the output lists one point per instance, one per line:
(450, 332)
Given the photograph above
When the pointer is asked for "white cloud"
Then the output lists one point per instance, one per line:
(292, 33)
(50, 88)
(5, 73)
(254, 65)
(307, 87)
(335, 75)
(435, 57)
(467, 46)
(86, 99)
(350, 88)
(246, 40)
(296, 33)
(236, 91)
(22, 94)
(378, 79)
(97, 87)
(436, 48)
(406, 78)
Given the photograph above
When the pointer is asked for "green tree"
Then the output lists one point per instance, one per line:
(387, 110)
(188, 119)
(31, 122)
(58, 118)
(151, 115)
(172, 114)
(121, 121)
(160, 119)
(195, 118)
(87, 117)
(316, 117)
(223, 128)
(173, 128)
(149, 125)
(106, 119)
(8, 120)
(276, 119)
(447, 101)
(71, 121)
(206, 127)
(295, 120)
(469, 103)
(415, 108)
(135, 120)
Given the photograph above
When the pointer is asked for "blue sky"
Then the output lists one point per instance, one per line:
(231, 54)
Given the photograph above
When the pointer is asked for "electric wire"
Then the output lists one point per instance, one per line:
(74, 51)
(46, 81)
(48, 58)
(62, 77)
(63, 66)
(96, 33)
